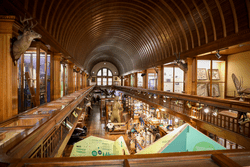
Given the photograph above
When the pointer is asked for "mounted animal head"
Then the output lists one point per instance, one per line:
(181, 63)
(22, 43)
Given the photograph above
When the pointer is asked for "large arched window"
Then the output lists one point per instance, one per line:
(104, 77)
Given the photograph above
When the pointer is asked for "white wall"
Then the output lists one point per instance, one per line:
(239, 64)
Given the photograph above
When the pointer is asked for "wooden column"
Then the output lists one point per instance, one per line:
(135, 79)
(64, 78)
(8, 71)
(22, 83)
(57, 84)
(160, 78)
(70, 78)
(129, 80)
(83, 80)
(86, 80)
(145, 79)
(122, 79)
(38, 75)
(189, 76)
(45, 69)
(51, 76)
(78, 80)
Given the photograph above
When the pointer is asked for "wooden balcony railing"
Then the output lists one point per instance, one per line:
(40, 132)
(222, 125)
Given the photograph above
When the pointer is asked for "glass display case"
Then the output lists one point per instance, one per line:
(211, 83)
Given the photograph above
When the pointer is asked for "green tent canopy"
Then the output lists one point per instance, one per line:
(183, 139)
(96, 146)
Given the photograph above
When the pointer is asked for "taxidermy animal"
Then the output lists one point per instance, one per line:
(239, 86)
(116, 110)
(22, 43)
(181, 63)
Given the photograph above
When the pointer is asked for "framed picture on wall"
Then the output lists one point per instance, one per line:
(202, 90)
(93, 79)
(201, 74)
(215, 74)
(215, 90)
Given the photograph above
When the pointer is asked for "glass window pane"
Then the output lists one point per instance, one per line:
(104, 80)
(168, 86)
(109, 73)
(179, 75)
(61, 80)
(104, 72)
(152, 81)
(99, 73)
(168, 74)
(109, 81)
(178, 87)
(139, 80)
(99, 81)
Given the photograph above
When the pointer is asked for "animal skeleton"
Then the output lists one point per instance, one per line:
(22, 42)
(239, 86)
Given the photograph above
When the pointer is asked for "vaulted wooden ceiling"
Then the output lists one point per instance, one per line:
(135, 34)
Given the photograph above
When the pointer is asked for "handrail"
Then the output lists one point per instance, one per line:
(226, 128)
(30, 139)
(211, 101)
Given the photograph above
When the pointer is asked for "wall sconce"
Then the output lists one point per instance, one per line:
(176, 102)
(155, 96)
(176, 120)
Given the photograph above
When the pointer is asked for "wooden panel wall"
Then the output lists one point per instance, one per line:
(57, 84)
(8, 84)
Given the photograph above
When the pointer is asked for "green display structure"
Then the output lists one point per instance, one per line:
(183, 139)
(95, 146)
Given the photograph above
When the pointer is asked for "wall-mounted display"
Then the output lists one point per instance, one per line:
(215, 90)
(215, 74)
(202, 90)
(201, 74)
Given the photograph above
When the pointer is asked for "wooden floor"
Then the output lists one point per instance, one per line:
(96, 127)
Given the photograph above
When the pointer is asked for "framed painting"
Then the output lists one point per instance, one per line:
(215, 74)
(215, 90)
(201, 74)
(202, 90)
(93, 79)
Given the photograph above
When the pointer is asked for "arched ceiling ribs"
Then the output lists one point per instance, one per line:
(211, 18)
(94, 25)
(202, 20)
(180, 24)
(121, 54)
(130, 30)
(102, 58)
(34, 9)
(127, 25)
(48, 14)
(77, 19)
(190, 32)
(48, 27)
(42, 10)
(128, 41)
(70, 9)
(235, 16)
(248, 9)
(222, 18)
(195, 24)
(93, 41)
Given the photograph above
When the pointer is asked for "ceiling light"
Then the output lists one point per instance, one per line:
(218, 55)
(206, 110)
(176, 120)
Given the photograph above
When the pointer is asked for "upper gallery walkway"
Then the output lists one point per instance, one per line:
(209, 113)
